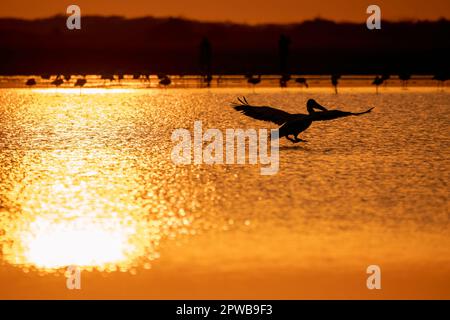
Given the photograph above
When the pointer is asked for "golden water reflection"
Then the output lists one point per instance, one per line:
(72, 186)
(88, 180)
(81, 208)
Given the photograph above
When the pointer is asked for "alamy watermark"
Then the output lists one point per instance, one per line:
(74, 20)
(374, 280)
(73, 275)
(374, 20)
(192, 149)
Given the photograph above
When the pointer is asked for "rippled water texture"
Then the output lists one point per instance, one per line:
(87, 180)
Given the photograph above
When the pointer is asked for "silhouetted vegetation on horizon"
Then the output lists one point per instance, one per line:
(173, 46)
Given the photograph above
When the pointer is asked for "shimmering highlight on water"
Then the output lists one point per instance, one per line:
(88, 180)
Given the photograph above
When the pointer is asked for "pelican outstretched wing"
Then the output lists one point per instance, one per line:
(335, 114)
(360, 113)
(264, 113)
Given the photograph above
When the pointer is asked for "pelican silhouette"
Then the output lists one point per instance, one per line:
(292, 124)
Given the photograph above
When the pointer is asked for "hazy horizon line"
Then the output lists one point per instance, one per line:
(180, 17)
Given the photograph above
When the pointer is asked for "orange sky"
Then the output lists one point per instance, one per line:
(250, 11)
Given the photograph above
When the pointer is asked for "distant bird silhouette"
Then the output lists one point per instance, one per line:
(284, 80)
(441, 77)
(219, 80)
(385, 77)
(292, 124)
(120, 77)
(404, 77)
(80, 82)
(335, 81)
(31, 82)
(107, 76)
(377, 82)
(253, 80)
(207, 79)
(164, 80)
(302, 81)
(58, 81)
(146, 76)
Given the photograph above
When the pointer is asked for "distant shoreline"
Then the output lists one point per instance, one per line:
(172, 46)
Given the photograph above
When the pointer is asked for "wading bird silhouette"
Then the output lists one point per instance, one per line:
(302, 81)
(80, 83)
(164, 80)
(335, 81)
(377, 82)
(107, 76)
(441, 77)
(404, 78)
(58, 81)
(292, 124)
(253, 80)
(385, 77)
(31, 82)
(284, 80)
(207, 79)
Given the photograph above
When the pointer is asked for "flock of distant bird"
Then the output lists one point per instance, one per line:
(379, 80)
(59, 80)
(164, 80)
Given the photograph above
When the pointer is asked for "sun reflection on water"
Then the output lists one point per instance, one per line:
(77, 211)
(73, 193)
(78, 242)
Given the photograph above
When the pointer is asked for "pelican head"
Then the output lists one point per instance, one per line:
(311, 103)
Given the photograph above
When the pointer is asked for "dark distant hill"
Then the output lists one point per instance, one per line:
(171, 45)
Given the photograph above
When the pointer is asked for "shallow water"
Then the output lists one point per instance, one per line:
(88, 180)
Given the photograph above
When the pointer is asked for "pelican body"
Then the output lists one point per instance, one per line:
(292, 124)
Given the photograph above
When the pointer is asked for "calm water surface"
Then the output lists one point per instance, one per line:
(87, 180)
